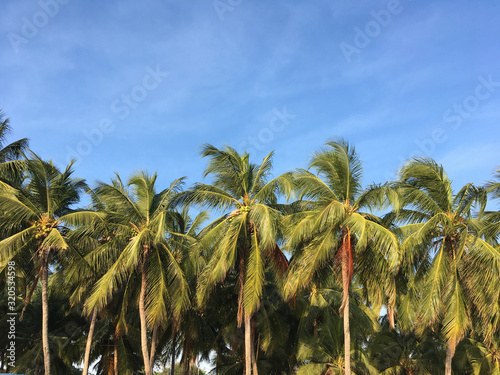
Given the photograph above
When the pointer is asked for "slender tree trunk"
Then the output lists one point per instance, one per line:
(115, 355)
(191, 365)
(390, 316)
(89, 343)
(111, 362)
(345, 301)
(186, 354)
(153, 346)
(45, 313)
(248, 346)
(142, 315)
(450, 352)
(347, 339)
(254, 349)
(241, 281)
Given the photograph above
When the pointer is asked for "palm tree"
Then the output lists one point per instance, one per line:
(335, 230)
(245, 237)
(143, 221)
(10, 153)
(33, 218)
(448, 260)
(82, 273)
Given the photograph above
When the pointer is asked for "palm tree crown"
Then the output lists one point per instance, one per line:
(244, 239)
(336, 228)
(450, 260)
(142, 221)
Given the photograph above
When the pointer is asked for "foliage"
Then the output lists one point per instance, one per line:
(296, 256)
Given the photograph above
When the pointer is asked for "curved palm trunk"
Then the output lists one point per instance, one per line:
(89, 343)
(450, 352)
(45, 314)
(248, 346)
(142, 315)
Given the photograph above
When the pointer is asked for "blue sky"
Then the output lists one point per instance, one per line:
(124, 85)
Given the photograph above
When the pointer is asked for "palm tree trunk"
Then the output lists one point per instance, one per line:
(142, 315)
(450, 352)
(346, 250)
(347, 338)
(111, 362)
(390, 316)
(254, 356)
(248, 346)
(186, 355)
(192, 364)
(45, 313)
(241, 281)
(89, 343)
(115, 355)
(153, 346)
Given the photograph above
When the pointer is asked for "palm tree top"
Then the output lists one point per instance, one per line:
(427, 190)
(137, 198)
(339, 165)
(235, 173)
(237, 183)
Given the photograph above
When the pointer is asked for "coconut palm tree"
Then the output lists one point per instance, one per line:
(142, 254)
(36, 218)
(335, 233)
(449, 261)
(10, 166)
(245, 237)
(81, 273)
